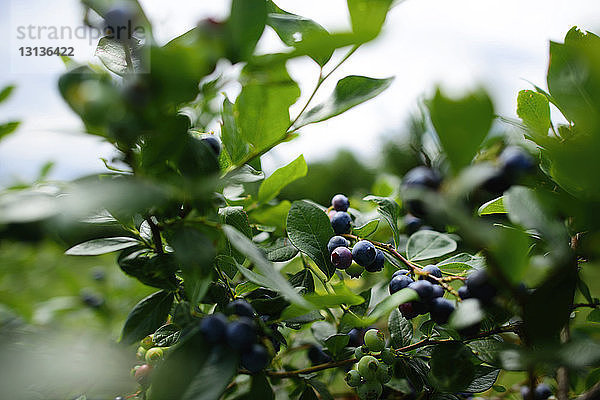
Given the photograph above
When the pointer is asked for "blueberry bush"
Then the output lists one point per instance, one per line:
(470, 276)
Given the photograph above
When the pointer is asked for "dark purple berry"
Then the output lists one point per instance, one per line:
(335, 242)
(241, 334)
(377, 264)
(421, 177)
(542, 392)
(412, 224)
(421, 307)
(440, 310)
(480, 287)
(438, 291)
(463, 292)
(240, 308)
(431, 270)
(341, 257)
(407, 310)
(356, 337)
(399, 282)
(364, 253)
(400, 272)
(213, 327)
(339, 202)
(119, 22)
(515, 161)
(317, 356)
(255, 359)
(423, 288)
(341, 222)
(213, 142)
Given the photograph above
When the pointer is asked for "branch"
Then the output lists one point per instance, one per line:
(592, 394)
(156, 238)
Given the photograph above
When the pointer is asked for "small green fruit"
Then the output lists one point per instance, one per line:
(147, 342)
(355, 270)
(370, 391)
(367, 366)
(141, 353)
(154, 355)
(383, 374)
(353, 378)
(387, 356)
(360, 352)
(374, 340)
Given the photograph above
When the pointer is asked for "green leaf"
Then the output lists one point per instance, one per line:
(280, 251)
(166, 335)
(534, 109)
(26, 206)
(8, 128)
(268, 275)
(262, 108)
(294, 30)
(101, 246)
(594, 316)
(214, 376)
(236, 217)
(349, 92)
(193, 250)
(246, 24)
(321, 301)
(461, 125)
(321, 388)
(336, 343)
(423, 245)
(390, 210)
(452, 366)
(114, 55)
(260, 388)
(367, 229)
(304, 279)
(147, 316)
(368, 16)
(495, 206)
(401, 330)
(157, 270)
(6, 92)
(387, 305)
(468, 313)
(487, 349)
(236, 148)
(308, 394)
(282, 177)
(272, 215)
(309, 230)
(484, 379)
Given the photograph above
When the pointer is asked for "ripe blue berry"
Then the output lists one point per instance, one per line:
(339, 202)
(421, 177)
(317, 356)
(213, 142)
(213, 327)
(480, 287)
(356, 338)
(377, 264)
(423, 288)
(241, 334)
(341, 258)
(515, 161)
(412, 224)
(255, 359)
(421, 307)
(399, 282)
(463, 292)
(542, 392)
(407, 310)
(440, 310)
(240, 308)
(400, 272)
(119, 21)
(438, 291)
(335, 242)
(341, 222)
(364, 253)
(431, 270)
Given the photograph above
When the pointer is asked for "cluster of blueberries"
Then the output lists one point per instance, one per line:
(541, 392)
(370, 374)
(240, 334)
(477, 286)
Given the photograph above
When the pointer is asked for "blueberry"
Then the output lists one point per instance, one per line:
(463, 292)
(412, 224)
(525, 391)
(341, 222)
(119, 21)
(339, 202)
(438, 291)
(497, 183)
(423, 288)
(470, 330)
(240, 308)
(335, 242)
(421, 177)
(377, 264)
(213, 142)
(341, 258)
(91, 300)
(407, 310)
(364, 253)
(479, 286)
(98, 274)
(542, 392)
(367, 367)
(400, 272)
(421, 307)
(255, 359)
(431, 270)
(440, 310)
(515, 161)
(317, 356)
(213, 327)
(353, 378)
(356, 338)
(399, 282)
(374, 340)
(241, 334)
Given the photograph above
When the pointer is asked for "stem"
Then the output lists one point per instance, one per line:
(156, 238)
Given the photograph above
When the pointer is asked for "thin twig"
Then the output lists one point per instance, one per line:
(156, 238)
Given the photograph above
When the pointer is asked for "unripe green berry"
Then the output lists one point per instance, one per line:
(141, 353)
(134, 370)
(374, 340)
(367, 366)
(387, 356)
(370, 391)
(360, 352)
(353, 378)
(154, 355)
(383, 374)
(147, 342)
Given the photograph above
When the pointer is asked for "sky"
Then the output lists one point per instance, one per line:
(458, 44)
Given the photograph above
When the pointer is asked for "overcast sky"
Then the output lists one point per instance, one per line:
(456, 43)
